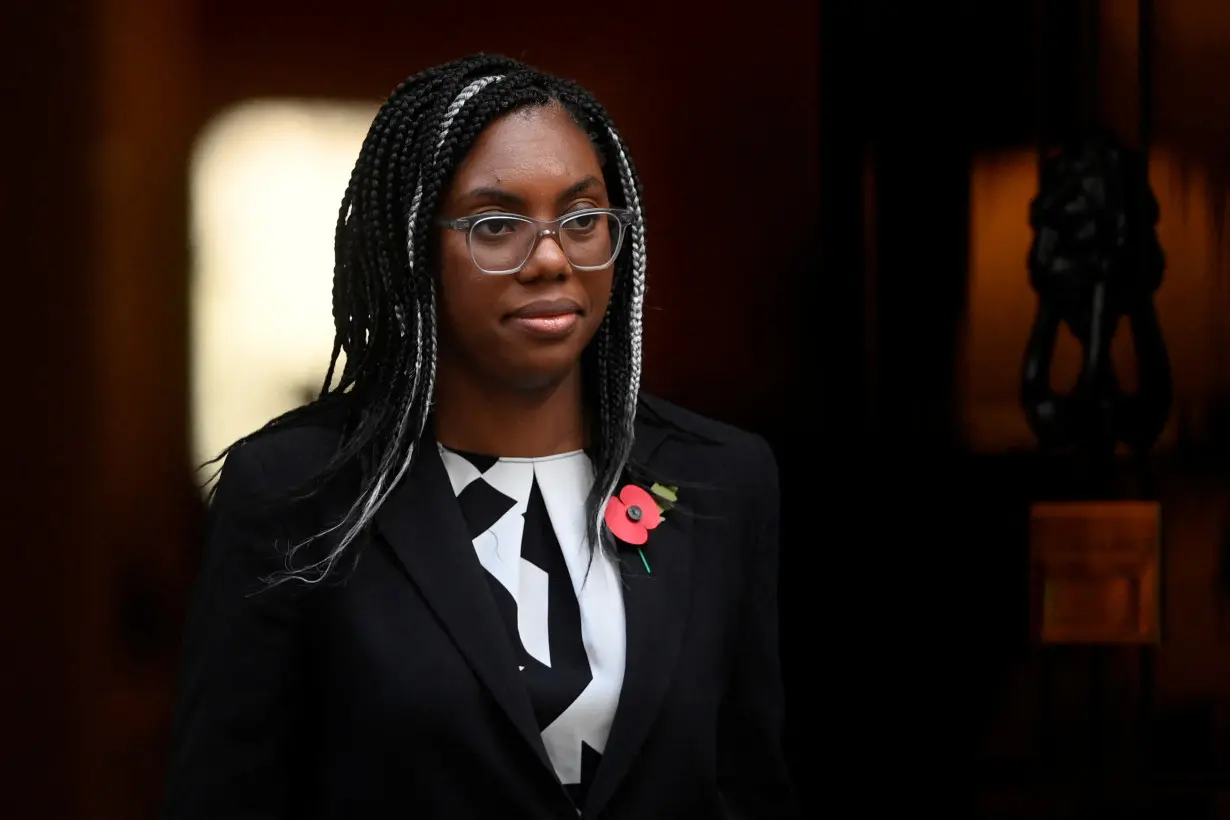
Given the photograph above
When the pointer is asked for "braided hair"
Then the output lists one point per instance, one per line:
(384, 287)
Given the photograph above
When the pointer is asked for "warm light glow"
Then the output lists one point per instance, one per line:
(1190, 302)
(267, 179)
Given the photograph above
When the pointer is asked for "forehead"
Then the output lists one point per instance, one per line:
(530, 146)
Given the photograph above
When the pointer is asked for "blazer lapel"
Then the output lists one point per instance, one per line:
(655, 606)
(423, 523)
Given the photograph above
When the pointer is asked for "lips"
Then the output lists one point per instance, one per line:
(546, 307)
(547, 319)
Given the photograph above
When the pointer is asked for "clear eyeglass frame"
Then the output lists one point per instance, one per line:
(543, 228)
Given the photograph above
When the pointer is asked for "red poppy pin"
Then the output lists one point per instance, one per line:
(632, 513)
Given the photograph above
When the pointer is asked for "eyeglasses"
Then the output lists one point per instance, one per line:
(501, 244)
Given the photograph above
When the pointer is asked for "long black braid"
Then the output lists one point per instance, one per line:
(384, 288)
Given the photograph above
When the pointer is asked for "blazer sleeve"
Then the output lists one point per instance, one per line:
(238, 687)
(754, 778)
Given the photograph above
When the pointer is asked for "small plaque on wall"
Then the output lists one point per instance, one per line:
(1095, 572)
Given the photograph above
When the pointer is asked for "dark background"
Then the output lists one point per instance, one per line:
(837, 197)
(905, 591)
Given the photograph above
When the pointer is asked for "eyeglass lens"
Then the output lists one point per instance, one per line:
(501, 243)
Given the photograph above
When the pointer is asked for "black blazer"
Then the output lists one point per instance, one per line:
(394, 691)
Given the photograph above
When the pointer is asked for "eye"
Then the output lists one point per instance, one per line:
(583, 223)
(496, 226)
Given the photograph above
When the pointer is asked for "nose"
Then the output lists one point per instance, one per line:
(547, 260)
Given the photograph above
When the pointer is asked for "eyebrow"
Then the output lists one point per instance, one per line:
(511, 200)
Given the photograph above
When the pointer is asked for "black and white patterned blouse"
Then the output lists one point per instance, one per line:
(564, 615)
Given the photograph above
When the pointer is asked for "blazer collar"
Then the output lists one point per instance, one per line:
(423, 523)
(655, 605)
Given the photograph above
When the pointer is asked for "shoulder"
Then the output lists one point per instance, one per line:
(704, 448)
(274, 462)
(280, 487)
(674, 421)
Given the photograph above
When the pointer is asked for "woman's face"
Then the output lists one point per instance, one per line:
(525, 330)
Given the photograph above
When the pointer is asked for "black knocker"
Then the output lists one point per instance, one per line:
(1096, 261)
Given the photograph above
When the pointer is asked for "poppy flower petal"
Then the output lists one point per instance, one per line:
(615, 509)
(634, 533)
(632, 494)
(651, 516)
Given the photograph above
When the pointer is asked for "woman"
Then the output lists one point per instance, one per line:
(483, 576)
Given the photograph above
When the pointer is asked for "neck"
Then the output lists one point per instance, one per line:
(499, 421)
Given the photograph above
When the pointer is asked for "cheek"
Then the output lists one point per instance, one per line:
(598, 288)
(455, 264)
(461, 285)
(468, 299)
